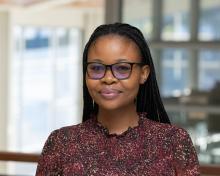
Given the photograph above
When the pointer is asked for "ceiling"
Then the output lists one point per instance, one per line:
(20, 2)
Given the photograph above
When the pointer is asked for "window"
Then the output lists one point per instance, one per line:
(209, 72)
(141, 15)
(184, 39)
(174, 71)
(45, 86)
(175, 22)
(209, 21)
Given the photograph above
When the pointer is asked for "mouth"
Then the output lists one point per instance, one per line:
(110, 94)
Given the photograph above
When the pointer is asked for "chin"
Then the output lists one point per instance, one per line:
(111, 106)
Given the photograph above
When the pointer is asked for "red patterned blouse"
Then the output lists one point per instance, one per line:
(87, 149)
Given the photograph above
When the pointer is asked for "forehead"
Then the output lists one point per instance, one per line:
(114, 38)
(115, 47)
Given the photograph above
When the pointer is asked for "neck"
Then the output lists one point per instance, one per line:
(118, 121)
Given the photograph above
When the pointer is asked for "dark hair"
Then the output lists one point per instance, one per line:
(148, 98)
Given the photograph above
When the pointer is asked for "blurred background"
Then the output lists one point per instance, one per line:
(41, 45)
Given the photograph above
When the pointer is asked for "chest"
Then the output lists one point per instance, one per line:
(120, 157)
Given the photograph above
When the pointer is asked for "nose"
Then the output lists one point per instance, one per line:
(109, 77)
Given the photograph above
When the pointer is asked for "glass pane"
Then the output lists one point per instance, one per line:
(21, 168)
(141, 15)
(209, 23)
(176, 19)
(44, 95)
(36, 91)
(174, 72)
(68, 74)
(209, 69)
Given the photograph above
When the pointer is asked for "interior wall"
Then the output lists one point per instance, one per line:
(4, 55)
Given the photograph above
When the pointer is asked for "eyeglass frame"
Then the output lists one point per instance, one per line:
(110, 66)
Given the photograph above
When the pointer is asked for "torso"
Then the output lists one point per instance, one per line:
(148, 149)
(142, 150)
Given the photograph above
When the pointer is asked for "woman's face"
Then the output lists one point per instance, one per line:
(109, 92)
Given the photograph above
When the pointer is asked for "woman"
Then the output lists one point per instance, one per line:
(125, 129)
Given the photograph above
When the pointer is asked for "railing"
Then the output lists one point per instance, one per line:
(210, 170)
(21, 157)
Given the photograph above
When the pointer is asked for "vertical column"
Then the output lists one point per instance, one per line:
(157, 25)
(113, 11)
(193, 60)
(4, 56)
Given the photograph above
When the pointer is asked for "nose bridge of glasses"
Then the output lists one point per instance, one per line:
(108, 69)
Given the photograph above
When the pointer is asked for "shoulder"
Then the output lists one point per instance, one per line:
(70, 133)
(164, 130)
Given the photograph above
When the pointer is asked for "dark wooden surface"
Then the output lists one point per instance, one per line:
(21, 157)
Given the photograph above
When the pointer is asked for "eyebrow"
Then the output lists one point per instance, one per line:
(94, 60)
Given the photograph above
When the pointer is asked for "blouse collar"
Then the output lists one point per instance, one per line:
(129, 131)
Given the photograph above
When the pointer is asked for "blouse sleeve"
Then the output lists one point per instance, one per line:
(49, 162)
(184, 155)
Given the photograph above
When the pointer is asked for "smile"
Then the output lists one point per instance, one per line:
(109, 94)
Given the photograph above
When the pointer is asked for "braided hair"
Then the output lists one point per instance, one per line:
(148, 99)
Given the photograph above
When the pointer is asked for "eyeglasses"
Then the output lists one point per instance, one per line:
(120, 70)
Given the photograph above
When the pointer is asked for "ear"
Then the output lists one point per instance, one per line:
(145, 71)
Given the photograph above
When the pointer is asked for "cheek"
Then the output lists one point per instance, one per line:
(91, 85)
(134, 83)
(132, 86)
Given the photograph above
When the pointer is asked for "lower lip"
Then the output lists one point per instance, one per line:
(110, 96)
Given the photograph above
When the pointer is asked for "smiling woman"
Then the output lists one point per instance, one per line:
(125, 128)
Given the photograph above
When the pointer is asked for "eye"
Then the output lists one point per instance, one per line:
(96, 67)
(123, 67)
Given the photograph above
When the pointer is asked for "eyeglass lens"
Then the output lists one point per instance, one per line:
(119, 70)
